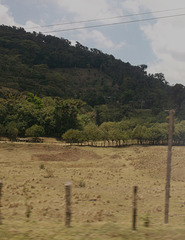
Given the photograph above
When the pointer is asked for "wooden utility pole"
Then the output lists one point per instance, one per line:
(168, 171)
(68, 204)
(1, 185)
(134, 208)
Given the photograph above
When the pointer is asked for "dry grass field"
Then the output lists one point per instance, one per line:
(102, 180)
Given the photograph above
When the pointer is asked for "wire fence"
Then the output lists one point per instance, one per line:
(136, 207)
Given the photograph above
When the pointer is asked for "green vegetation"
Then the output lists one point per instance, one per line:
(49, 66)
(50, 88)
(118, 134)
(35, 131)
(31, 116)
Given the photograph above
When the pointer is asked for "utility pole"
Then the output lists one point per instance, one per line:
(168, 171)
(135, 208)
(1, 185)
(68, 204)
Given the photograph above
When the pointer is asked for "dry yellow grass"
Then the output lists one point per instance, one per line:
(102, 180)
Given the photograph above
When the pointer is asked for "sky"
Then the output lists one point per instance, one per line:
(136, 31)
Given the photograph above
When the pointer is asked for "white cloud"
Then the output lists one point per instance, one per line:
(31, 26)
(5, 16)
(100, 40)
(166, 36)
(84, 9)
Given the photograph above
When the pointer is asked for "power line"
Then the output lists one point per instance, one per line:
(117, 23)
(107, 18)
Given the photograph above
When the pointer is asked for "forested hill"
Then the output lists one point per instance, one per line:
(51, 66)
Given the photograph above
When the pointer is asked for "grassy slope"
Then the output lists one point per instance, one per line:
(102, 183)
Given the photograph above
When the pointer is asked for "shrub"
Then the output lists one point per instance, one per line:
(35, 131)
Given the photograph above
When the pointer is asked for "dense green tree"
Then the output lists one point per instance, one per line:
(12, 131)
(140, 133)
(179, 133)
(92, 133)
(3, 112)
(2, 131)
(106, 129)
(47, 116)
(34, 100)
(27, 114)
(66, 115)
(35, 132)
(116, 135)
(159, 133)
(74, 136)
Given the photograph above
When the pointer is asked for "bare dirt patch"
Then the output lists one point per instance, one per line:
(66, 154)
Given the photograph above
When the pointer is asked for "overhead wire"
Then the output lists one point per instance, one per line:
(107, 18)
(116, 23)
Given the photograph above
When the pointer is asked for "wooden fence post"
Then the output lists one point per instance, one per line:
(1, 185)
(168, 171)
(68, 204)
(134, 208)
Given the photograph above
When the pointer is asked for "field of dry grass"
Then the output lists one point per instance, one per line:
(33, 200)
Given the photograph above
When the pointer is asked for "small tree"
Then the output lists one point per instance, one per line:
(73, 136)
(159, 133)
(179, 133)
(2, 130)
(35, 132)
(106, 129)
(12, 131)
(139, 133)
(92, 133)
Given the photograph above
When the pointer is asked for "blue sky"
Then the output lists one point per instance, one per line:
(160, 44)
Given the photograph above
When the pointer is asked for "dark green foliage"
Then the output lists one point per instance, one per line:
(2, 131)
(44, 81)
(66, 115)
(73, 136)
(35, 100)
(12, 131)
(49, 66)
(35, 131)
(33, 116)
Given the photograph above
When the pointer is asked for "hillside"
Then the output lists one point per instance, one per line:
(50, 66)
(47, 65)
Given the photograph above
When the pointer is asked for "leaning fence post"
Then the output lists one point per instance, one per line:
(134, 208)
(1, 185)
(68, 204)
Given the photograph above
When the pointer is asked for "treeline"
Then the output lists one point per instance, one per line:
(72, 120)
(125, 132)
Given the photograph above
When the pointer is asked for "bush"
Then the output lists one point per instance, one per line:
(73, 136)
(35, 131)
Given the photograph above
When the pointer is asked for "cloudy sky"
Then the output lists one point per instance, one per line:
(126, 31)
